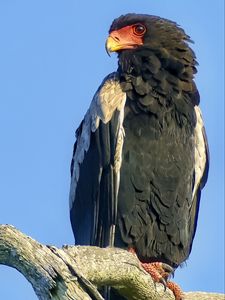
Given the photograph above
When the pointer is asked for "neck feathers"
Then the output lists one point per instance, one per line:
(150, 74)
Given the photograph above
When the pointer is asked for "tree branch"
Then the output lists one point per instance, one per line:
(75, 272)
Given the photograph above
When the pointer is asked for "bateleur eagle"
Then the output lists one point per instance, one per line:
(140, 159)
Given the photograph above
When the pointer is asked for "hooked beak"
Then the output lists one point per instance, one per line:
(123, 39)
(112, 45)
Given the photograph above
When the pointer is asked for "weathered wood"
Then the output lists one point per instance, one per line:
(203, 296)
(75, 272)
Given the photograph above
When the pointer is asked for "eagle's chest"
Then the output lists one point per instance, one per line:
(158, 137)
(156, 178)
(157, 158)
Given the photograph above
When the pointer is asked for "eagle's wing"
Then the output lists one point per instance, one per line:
(95, 166)
(201, 169)
(201, 153)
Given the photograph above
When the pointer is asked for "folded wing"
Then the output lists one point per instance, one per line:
(95, 166)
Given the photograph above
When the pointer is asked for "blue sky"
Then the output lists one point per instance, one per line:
(52, 59)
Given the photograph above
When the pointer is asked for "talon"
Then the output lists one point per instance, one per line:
(164, 283)
(157, 273)
(167, 268)
(160, 272)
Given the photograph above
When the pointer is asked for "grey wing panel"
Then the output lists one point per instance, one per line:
(201, 171)
(201, 153)
(96, 162)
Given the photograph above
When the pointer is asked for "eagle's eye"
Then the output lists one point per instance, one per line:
(139, 29)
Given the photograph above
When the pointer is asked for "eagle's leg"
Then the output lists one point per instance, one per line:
(177, 291)
(160, 272)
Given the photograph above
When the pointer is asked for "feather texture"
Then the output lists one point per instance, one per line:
(104, 161)
(141, 157)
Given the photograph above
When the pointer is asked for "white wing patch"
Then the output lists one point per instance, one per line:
(200, 150)
(108, 98)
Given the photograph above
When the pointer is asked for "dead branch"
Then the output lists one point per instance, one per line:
(75, 272)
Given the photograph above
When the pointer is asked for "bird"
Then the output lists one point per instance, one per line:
(141, 157)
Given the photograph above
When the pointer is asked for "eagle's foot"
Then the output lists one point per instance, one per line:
(160, 272)
(177, 291)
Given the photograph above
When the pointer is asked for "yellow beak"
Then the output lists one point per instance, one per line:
(112, 45)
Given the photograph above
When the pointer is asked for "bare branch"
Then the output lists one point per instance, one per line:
(75, 272)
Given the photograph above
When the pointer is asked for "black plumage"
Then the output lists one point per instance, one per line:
(141, 160)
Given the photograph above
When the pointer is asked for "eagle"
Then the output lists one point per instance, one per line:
(141, 158)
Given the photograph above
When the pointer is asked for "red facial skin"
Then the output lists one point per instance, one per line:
(128, 37)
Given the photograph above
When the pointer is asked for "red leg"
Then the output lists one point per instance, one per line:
(177, 291)
(160, 273)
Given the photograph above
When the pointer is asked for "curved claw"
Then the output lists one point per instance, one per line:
(163, 281)
(167, 268)
(169, 271)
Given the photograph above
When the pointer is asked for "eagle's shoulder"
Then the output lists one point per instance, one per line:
(108, 98)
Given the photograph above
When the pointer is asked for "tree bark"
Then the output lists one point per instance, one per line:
(75, 272)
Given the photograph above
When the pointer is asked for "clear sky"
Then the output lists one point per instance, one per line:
(52, 59)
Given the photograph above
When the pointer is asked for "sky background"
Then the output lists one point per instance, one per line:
(52, 59)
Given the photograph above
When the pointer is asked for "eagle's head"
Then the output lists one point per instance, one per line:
(138, 31)
(154, 49)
